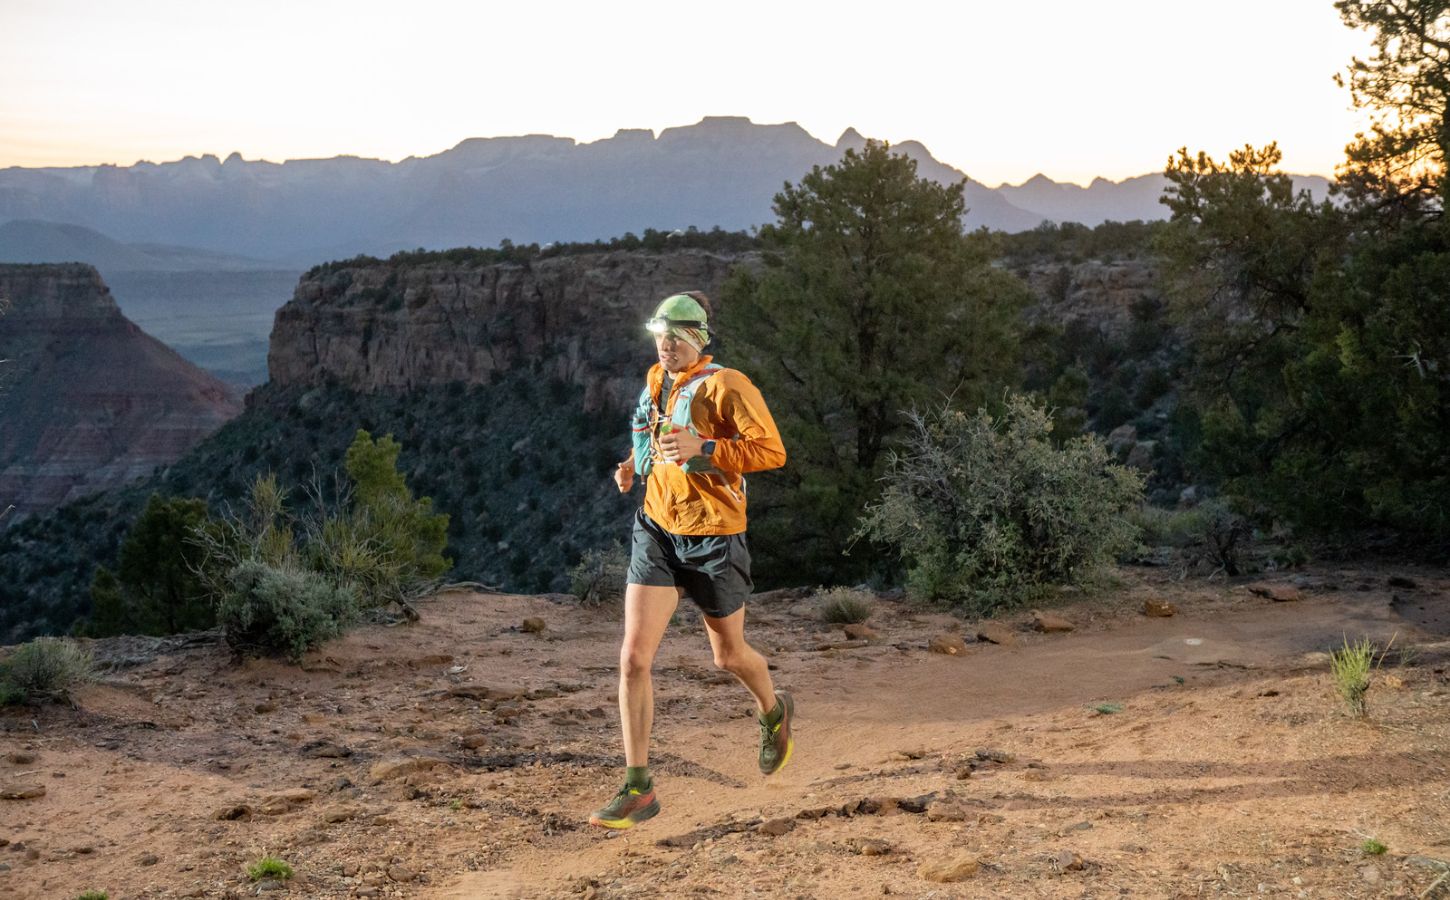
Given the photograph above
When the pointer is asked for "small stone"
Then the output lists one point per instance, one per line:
(266, 706)
(1049, 623)
(1155, 608)
(334, 815)
(532, 625)
(270, 884)
(987, 754)
(959, 869)
(1068, 861)
(22, 791)
(872, 847)
(474, 741)
(946, 810)
(20, 757)
(1370, 875)
(1279, 593)
(326, 750)
(860, 631)
(996, 633)
(286, 801)
(237, 813)
(949, 644)
(401, 873)
(389, 769)
(147, 859)
(776, 827)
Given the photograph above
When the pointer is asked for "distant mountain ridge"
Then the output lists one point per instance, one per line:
(722, 171)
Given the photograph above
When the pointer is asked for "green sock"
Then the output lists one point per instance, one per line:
(637, 777)
(773, 717)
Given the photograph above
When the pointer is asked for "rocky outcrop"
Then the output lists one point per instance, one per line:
(578, 318)
(1100, 292)
(87, 399)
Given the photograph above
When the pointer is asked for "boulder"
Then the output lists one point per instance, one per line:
(949, 644)
(1050, 623)
(996, 633)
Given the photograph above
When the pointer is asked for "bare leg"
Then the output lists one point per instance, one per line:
(647, 612)
(727, 639)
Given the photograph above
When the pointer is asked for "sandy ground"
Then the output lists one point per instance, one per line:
(1203, 754)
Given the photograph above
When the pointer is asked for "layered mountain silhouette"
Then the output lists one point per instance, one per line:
(722, 171)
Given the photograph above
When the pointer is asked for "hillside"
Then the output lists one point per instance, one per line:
(90, 401)
(508, 385)
(1203, 754)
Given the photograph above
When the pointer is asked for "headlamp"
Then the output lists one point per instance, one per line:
(660, 324)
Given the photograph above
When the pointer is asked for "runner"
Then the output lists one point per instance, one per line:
(698, 428)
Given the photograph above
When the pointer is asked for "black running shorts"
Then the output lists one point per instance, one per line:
(714, 569)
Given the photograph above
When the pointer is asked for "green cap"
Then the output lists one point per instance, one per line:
(682, 314)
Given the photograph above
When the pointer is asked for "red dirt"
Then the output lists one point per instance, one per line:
(1230, 768)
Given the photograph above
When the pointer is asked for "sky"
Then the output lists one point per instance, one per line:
(1001, 91)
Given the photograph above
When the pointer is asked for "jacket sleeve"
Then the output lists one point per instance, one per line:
(757, 445)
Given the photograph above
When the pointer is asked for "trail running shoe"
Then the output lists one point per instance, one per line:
(776, 743)
(629, 807)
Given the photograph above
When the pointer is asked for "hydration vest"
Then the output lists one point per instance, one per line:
(647, 420)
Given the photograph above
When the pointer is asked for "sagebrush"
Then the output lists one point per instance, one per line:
(845, 605)
(988, 513)
(282, 610)
(47, 668)
(599, 576)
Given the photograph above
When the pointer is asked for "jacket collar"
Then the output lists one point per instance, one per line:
(657, 374)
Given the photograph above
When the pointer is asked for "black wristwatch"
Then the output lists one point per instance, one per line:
(707, 448)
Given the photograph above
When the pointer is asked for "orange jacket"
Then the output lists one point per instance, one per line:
(728, 408)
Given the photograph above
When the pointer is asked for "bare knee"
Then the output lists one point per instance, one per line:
(634, 663)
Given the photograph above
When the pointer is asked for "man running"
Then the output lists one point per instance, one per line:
(698, 428)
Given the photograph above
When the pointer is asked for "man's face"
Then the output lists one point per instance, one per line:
(676, 354)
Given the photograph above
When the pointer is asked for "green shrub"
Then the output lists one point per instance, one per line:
(93, 895)
(269, 867)
(842, 605)
(599, 576)
(271, 610)
(988, 513)
(46, 668)
(1372, 847)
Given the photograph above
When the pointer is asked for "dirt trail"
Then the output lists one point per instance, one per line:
(457, 758)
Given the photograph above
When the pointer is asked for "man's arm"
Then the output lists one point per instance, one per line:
(758, 446)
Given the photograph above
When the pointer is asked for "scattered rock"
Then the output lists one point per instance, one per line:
(532, 625)
(20, 757)
(776, 827)
(485, 692)
(474, 741)
(860, 631)
(285, 801)
(1068, 861)
(1400, 581)
(959, 869)
(1158, 609)
(389, 769)
(1000, 757)
(947, 809)
(335, 814)
(270, 884)
(266, 706)
(996, 633)
(22, 791)
(1370, 875)
(326, 750)
(147, 859)
(1076, 826)
(401, 873)
(1279, 593)
(1049, 623)
(240, 812)
(872, 847)
(950, 644)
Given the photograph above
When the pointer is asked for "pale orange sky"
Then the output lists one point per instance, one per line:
(1069, 89)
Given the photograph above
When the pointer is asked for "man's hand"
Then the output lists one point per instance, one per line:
(624, 476)
(681, 446)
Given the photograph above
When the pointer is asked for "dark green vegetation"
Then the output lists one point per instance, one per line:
(523, 503)
(155, 588)
(1319, 384)
(872, 301)
(508, 252)
(42, 670)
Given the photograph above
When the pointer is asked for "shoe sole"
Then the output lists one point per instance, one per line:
(630, 820)
(790, 740)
